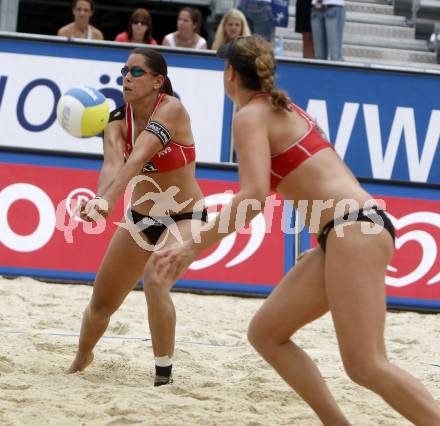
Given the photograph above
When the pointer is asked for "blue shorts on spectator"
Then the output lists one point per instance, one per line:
(259, 16)
(327, 21)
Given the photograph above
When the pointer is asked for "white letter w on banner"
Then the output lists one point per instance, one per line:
(382, 160)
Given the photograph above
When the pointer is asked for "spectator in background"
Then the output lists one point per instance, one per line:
(80, 28)
(232, 25)
(189, 21)
(139, 29)
(259, 16)
(303, 26)
(327, 21)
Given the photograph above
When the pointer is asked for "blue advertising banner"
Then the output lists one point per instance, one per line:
(384, 123)
(35, 73)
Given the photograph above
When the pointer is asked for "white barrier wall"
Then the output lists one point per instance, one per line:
(384, 123)
(31, 84)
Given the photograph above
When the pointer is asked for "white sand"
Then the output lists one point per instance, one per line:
(219, 379)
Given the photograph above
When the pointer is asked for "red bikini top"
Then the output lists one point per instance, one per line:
(173, 156)
(282, 163)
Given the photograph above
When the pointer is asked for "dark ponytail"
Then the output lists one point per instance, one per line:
(167, 87)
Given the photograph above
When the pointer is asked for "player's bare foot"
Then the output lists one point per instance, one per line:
(80, 364)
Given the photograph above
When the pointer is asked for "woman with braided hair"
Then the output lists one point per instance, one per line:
(280, 148)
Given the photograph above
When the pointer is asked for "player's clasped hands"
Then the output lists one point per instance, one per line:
(94, 209)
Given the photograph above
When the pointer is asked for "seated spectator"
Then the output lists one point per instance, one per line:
(259, 16)
(139, 29)
(232, 25)
(80, 28)
(188, 26)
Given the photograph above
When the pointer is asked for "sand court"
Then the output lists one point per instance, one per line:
(219, 378)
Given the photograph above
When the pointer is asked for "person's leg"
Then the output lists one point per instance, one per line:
(341, 27)
(119, 272)
(297, 300)
(334, 28)
(243, 7)
(212, 23)
(355, 268)
(161, 310)
(260, 14)
(319, 35)
(302, 26)
(308, 50)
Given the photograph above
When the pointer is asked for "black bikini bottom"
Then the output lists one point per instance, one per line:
(152, 227)
(373, 215)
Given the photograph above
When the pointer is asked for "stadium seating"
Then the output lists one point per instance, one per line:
(376, 34)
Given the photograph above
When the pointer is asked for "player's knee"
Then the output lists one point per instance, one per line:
(363, 370)
(100, 310)
(264, 335)
(252, 333)
(258, 334)
(153, 287)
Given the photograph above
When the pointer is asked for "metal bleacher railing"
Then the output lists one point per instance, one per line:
(381, 32)
(373, 34)
(435, 39)
(220, 7)
(8, 15)
(424, 16)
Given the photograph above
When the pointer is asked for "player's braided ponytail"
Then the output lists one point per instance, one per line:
(260, 52)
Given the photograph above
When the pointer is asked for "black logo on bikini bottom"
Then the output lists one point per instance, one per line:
(149, 167)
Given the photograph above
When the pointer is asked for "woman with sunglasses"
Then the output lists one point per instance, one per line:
(149, 153)
(280, 148)
(140, 29)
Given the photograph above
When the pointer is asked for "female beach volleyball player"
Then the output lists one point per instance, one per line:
(153, 132)
(280, 148)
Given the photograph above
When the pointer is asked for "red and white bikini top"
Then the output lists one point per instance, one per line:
(173, 156)
(282, 163)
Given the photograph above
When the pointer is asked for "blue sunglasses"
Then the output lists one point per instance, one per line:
(135, 71)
